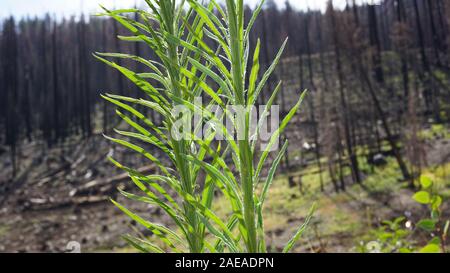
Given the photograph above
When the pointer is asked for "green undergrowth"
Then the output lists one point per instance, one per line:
(435, 131)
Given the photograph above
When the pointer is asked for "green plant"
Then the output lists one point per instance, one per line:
(188, 68)
(167, 16)
(390, 237)
(384, 180)
(436, 131)
(393, 237)
(435, 225)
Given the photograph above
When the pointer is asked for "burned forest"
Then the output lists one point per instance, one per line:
(368, 143)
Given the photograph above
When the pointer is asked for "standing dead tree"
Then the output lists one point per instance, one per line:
(10, 85)
(345, 107)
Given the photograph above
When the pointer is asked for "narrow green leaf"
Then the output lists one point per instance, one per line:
(271, 174)
(252, 21)
(142, 245)
(141, 151)
(269, 72)
(157, 230)
(254, 73)
(300, 231)
(277, 133)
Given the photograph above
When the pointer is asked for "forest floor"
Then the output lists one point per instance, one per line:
(56, 199)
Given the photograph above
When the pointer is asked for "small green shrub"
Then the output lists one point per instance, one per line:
(399, 235)
(384, 180)
(390, 237)
(435, 226)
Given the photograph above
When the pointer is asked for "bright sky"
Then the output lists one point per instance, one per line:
(22, 8)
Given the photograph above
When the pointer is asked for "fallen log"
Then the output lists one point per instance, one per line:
(37, 204)
(107, 185)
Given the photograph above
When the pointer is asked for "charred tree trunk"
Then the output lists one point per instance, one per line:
(266, 54)
(26, 102)
(402, 51)
(10, 68)
(120, 82)
(434, 32)
(431, 101)
(375, 44)
(84, 81)
(105, 81)
(390, 137)
(423, 55)
(343, 101)
(340, 161)
(44, 87)
(311, 103)
(56, 102)
(355, 12)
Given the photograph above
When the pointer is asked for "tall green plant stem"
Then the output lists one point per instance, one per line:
(236, 25)
(180, 146)
(184, 171)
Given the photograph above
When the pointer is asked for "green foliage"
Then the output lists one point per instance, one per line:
(422, 197)
(384, 180)
(436, 131)
(187, 68)
(431, 248)
(425, 182)
(392, 237)
(439, 130)
(433, 225)
(427, 224)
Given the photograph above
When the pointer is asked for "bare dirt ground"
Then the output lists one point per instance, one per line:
(55, 199)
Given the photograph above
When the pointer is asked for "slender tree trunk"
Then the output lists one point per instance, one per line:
(105, 80)
(340, 161)
(10, 68)
(384, 122)
(311, 103)
(425, 64)
(56, 90)
(120, 83)
(343, 101)
(375, 43)
(27, 104)
(434, 33)
(84, 76)
(402, 51)
(355, 12)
